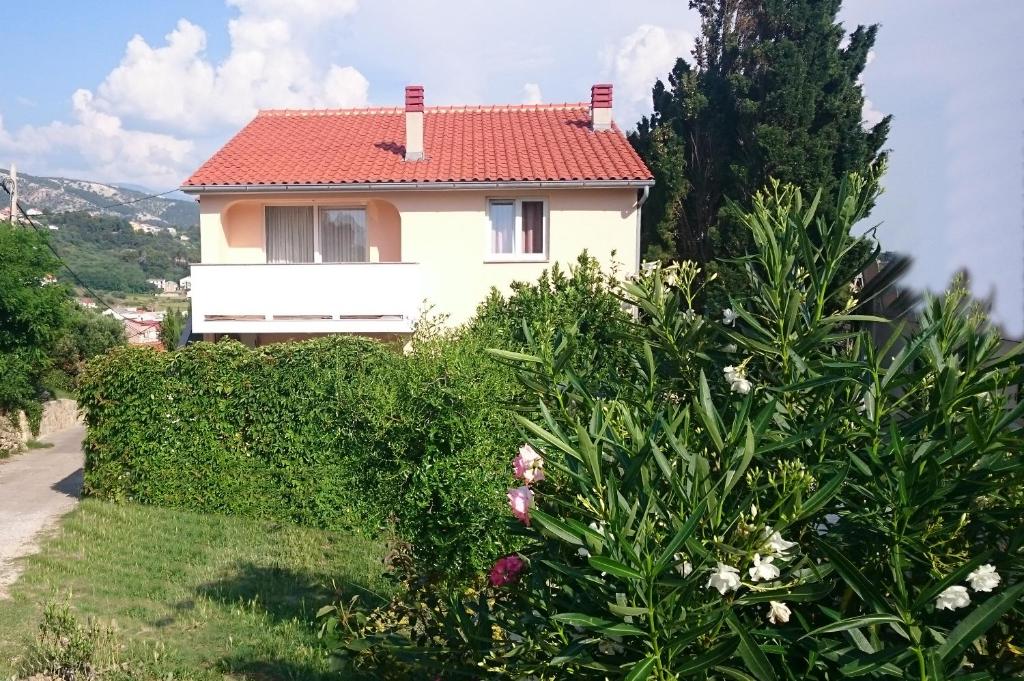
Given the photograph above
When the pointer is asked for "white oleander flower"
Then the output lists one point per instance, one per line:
(683, 566)
(831, 519)
(724, 578)
(582, 553)
(730, 348)
(984, 578)
(776, 543)
(741, 386)
(728, 316)
(778, 612)
(952, 598)
(763, 569)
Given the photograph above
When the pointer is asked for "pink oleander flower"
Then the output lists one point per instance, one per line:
(520, 499)
(506, 570)
(529, 465)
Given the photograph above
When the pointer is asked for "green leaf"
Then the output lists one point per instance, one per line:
(555, 527)
(697, 664)
(708, 414)
(668, 555)
(546, 436)
(514, 356)
(642, 669)
(854, 578)
(626, 610)
(613, 567)
(813, 591)
(824, 494)
(751, 653)
(622, 629)
(735, 674)
(578, 619)
(978, 621)
(853, 623)
(590, 454)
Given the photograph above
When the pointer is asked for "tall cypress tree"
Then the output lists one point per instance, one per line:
(770, 93)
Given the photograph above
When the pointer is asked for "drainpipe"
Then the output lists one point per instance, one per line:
(645, 194)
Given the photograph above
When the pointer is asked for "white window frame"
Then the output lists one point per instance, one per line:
(517, 238)
(317, 207)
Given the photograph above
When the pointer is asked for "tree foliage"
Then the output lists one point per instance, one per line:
(771, 91)
(33, 312)
(109, 255)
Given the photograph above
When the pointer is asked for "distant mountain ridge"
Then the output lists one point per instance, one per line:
(60, 194)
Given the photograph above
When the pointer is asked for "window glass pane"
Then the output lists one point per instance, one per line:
(343, 235)
(289, 234)
(503, 226)
(533, 226)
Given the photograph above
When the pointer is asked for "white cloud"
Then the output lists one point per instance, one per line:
(270, 64)
(532, 94)
(870, 116)
(139, 122)
(636, 61)
(97, 145)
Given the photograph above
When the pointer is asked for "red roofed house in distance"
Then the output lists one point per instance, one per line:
(356, 220)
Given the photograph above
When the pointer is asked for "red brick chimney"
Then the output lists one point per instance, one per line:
(413, 122)
(601, 106)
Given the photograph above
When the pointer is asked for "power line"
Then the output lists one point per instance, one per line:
(74, 275)
(114, 205)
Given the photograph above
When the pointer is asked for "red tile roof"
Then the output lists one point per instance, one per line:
(544, 142)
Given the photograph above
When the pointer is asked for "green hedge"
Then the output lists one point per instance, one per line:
(335, 433)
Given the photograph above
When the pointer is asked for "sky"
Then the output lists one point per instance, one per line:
(142, 93)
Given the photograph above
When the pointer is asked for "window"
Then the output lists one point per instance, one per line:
(343, 235)
(518, 229)
(290, 234)
(299, 234)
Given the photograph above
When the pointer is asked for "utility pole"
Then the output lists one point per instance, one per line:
(14, 194)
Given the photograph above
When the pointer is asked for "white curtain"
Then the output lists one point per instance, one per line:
(503, 226)
(343, 235)
(289, 234)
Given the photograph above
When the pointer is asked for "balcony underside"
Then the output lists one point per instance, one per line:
(297, 324)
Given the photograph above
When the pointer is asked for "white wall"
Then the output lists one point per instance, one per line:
(447, 232)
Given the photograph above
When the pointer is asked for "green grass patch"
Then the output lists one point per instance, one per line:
(195, 596)
(38, 444)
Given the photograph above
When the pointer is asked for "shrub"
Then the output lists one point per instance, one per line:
(764, 494)
(269, 432)
(338, 432)
(67, 649)
(580, 308)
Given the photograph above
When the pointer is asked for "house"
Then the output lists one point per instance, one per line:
(164, 285)
(142, 332)
(87, 303)
(358, 220)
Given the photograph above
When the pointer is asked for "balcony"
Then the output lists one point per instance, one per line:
(361, 297)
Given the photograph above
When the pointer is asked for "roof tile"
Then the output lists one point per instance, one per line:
(543, 142)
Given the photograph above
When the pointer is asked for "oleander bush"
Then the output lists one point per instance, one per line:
(763, 494)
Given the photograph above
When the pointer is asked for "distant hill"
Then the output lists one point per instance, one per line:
(60, 194)
(112, 248)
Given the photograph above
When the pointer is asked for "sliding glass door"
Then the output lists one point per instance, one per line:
(300, 234)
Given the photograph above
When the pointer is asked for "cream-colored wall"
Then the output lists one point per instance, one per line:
(446, 232)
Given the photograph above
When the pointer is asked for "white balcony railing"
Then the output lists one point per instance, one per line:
(306, 298)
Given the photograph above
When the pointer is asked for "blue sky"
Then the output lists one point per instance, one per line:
(143, 92)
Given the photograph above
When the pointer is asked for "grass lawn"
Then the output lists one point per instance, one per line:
(197, 596)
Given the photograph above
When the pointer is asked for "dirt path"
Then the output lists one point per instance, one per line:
(36, 489)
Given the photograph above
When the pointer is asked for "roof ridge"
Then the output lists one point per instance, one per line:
(452, 108)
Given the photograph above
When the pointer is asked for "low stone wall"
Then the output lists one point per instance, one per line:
(57, 415)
